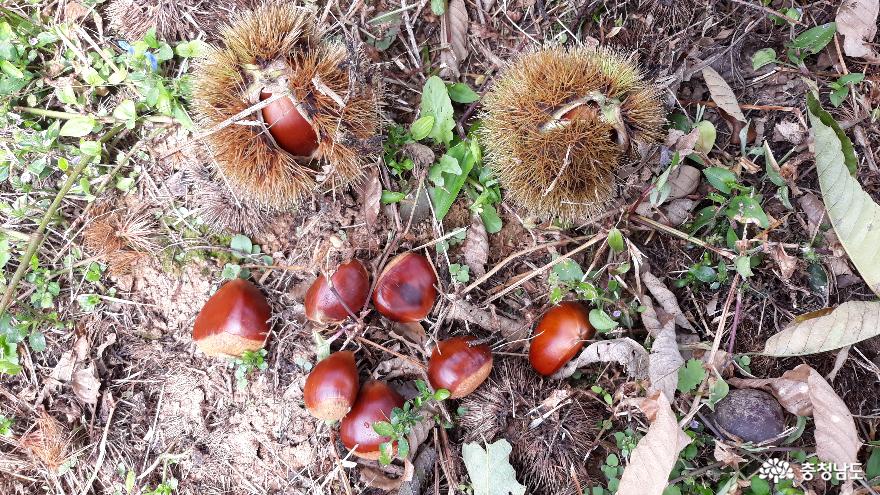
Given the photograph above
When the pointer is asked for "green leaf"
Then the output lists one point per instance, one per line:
(853, 213)
(389, 197)
(490, 218)
(441, 394)
(402, 447)
(436, 102)
(707, 137)
(811, 41)
(872, 469)
(718, 391)
(90, 148)
(462, 93)
(231, 271)
(720, 178)
(422, 127)
(744, 266)
(601, 321)
(568, 271)
(11, 70)
(438, 7)
(690, 375)
(447, 165)
(383, 428)
(615, 240)
(443, 197)
(37, 341)
(849, 153)
(759, 486)
(838, 95)
(194, 48)
(126, 111)
(78, 126)
(241, 245)
(746, 208)
(490, 470)
(385, 450)
(763, 57)
(852, 78)
(124, 184)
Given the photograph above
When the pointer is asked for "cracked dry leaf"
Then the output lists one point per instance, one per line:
(722, 95)
(849, 323)
(666, 298)
(476, 247)
(803, 391)
(453, 30)
(665, 358)
(854, 215)
(655, 455)
(490, 470)
(625, 351)
(857, 23)
(86, 385)
(371, 196)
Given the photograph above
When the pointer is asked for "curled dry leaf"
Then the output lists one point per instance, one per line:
(787, 264)
(683, 180)
(726, 454)
(853, 213)
(625, 351)
(454, 29)
(376, 478)
(397, 367)
(665, 358)
(857, 22)
(476, 247)
(86, 385)
(666, 299)
(851, 322)
(655, 455)
(678, 211)
(803, 391)
(722, 95)
(815, 211)
(371, 196)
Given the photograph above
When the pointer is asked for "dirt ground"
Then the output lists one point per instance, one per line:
(164, 410)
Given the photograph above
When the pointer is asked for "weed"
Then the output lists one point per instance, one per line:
(403, 420)
(249, 362)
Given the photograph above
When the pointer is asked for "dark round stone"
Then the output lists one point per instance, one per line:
(751, 415)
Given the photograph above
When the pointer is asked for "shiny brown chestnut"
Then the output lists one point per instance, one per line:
(291, 130)
(351, 283)
(374, 403)
(559, 336)
(234, 320)
(332, 386)
(405, 290)
(458, 366)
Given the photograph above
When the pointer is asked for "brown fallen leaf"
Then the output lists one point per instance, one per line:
(453, 31)
(371, 197)
(625, 351)
(787, 264)
(683, 181)
(86, 385)
(726, 454)
(849, 323)
(476, 247)
(655, 455)
(857, 23)
(665, 358)
(815, 211)
(666, 298)
(722, 95)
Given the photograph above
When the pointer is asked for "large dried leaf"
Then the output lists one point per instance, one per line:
(857, 22)
(666, 298)
(851, 322)
(86, 385)
(665, 358)
(854, 215)
(490, 469)
(371, 195)
(454, 29)
(805, 391)
(625, 351)
(722, 95)
(655, 455)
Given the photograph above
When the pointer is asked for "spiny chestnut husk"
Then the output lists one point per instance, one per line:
(459, 366)
(510, 405)
(332, 386)
(375, 401)
(234, 320)
(351, 287)
(321, 135)
(173, 19)
(559, 123)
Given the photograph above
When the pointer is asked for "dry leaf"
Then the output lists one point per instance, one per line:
(655, 455)
(789, 130)
(371, 196)
(397, 367)
(857, 23)
(685, 144)
(815, 210)
(787, 264)
(665, 358)
(722, 95)
(790, 389)
(849, 323)
(678, 211)
(625, 351)
(683, 181)
(412, 331)
(666, 298)
(726, 454)
(376, 478)
(86, 385)
(476, 247)
(453, 30)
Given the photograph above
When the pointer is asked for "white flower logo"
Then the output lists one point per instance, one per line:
(775, 470)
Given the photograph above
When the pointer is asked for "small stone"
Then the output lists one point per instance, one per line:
(751, 415)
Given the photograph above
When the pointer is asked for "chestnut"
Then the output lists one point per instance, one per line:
(351, 283)
(291, 130)
(332, 386)
(559, 336)
(375, 401)
(405, 290)
(234, 320)
(458, 366)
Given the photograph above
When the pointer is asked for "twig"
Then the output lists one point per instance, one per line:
(416, 362)
(693, 240)
(769, 11)
(102, 451)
